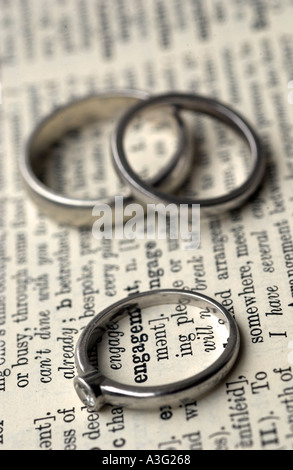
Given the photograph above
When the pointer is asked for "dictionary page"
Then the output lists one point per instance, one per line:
(54, 278)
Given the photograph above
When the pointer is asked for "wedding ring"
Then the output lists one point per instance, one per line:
(145, 194)
(95, 389)
(76, 211)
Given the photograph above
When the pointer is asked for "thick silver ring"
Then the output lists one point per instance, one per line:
(146, 194)
(95, 390)
(77, 211)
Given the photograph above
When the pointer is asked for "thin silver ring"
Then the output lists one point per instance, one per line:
(95, 390)
(76, 211)
(146, 194)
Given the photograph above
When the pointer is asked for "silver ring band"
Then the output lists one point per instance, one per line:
(146, 194)
(95, 390)
(77, 211)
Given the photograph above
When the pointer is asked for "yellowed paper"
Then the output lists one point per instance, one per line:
(55, 278)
